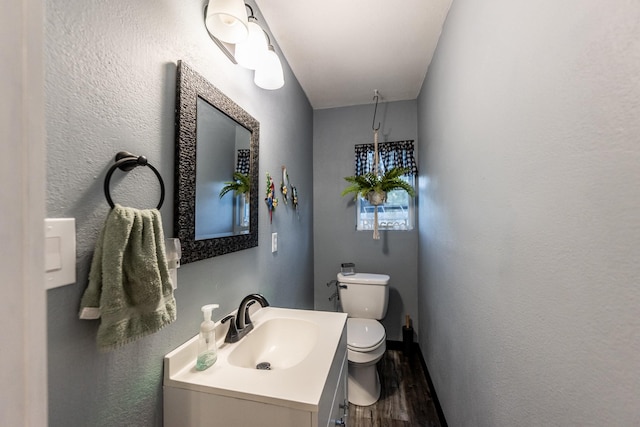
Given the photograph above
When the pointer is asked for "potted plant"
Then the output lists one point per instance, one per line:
(240, 185)
(374, 187)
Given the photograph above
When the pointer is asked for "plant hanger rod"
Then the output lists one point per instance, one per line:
(375, 96)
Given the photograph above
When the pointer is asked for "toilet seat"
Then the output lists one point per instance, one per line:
(364, 335)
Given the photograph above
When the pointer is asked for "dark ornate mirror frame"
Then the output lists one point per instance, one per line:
(190, 86)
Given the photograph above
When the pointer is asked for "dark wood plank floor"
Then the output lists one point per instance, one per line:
(405, 399)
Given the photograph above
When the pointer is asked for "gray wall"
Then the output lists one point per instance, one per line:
(110, 85)
(335, 132)
(529, 199)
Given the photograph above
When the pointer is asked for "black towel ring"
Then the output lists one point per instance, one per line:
(126, 161)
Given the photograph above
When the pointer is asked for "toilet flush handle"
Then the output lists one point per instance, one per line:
(336, 295)
(337, 284)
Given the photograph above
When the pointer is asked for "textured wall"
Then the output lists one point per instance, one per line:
(336, 131)
(529, 273)
(110, 85)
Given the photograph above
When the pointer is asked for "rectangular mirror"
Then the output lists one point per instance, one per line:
(216, 170)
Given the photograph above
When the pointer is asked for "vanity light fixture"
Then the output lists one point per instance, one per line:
(252, 48)
(227, 20)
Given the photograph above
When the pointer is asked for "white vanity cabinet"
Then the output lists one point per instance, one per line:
(333, 404)
(312, 393)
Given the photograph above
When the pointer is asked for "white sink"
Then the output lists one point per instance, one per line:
(299, 345)
(278, 343)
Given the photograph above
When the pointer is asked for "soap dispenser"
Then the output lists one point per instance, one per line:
(207, 351)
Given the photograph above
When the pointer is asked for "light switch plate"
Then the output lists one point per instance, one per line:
(274, 242)
(60, 252)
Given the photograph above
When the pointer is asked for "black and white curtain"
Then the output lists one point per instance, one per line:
(391, 154)
(242, 163)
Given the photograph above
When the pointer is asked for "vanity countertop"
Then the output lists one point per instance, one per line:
(299, 386)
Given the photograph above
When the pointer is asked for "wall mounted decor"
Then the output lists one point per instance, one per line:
(270, 199)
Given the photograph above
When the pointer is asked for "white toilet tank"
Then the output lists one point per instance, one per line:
(364, 295)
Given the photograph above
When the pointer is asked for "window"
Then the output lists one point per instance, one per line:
(396, 214)
(398, 211)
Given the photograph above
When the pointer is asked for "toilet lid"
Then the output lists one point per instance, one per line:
(364, 334)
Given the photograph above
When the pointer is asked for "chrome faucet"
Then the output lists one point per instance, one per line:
(242, 325)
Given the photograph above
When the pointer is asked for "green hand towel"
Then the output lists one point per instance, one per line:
(129, 283)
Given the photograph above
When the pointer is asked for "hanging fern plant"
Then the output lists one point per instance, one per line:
(374, 188)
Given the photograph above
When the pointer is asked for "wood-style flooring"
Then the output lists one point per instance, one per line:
(405, 400)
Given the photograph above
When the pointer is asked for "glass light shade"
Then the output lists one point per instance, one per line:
(269, 74)
(249, 52)
(227, 20)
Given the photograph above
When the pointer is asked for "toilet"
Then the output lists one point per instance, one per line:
(364, 297)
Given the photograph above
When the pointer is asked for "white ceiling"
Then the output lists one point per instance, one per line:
(342, 50)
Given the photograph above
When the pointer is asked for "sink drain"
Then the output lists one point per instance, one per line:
(264, 366)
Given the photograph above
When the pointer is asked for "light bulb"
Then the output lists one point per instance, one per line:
(227, 19)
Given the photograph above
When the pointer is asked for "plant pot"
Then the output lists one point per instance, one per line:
(377, 198)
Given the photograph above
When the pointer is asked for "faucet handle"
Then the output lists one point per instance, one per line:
(232, 333)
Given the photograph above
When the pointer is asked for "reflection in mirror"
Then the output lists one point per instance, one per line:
(216, 170)
(222, 154)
